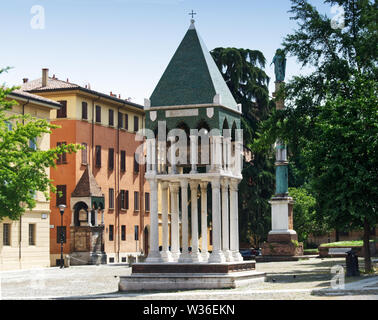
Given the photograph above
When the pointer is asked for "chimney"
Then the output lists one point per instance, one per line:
(25, 80)
(45, 77)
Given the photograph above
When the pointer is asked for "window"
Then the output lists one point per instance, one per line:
(123, 160)
(120, 120)
(98, 114)
(122, 199)
(31, 234)
(136, 233)
(136, 123)
(136, 201)
(61, 195)
(61, 234)
(9, 125)
(111, 117)
(136, 163)
(123, 233)
(98, 156)
(33, 144)
(111, 198)
(84, 154)
(62, 112)
(111, 159)
(62, 158)
(111, 232)
(6, 234)
(147, 201)
(84, 110)
(126, 121)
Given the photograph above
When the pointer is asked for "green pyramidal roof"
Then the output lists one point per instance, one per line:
(192, 77)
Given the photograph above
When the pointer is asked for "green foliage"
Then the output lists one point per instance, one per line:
(23, 170)
(305, 217)
(243, 72)
(341, 244)
(330, 121)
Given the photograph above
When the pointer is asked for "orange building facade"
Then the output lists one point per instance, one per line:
(106, 126)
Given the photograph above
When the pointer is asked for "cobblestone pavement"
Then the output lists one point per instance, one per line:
(285, 281)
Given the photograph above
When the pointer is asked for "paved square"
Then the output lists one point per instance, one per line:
(286, 280)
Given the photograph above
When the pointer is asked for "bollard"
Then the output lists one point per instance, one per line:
(352, 264)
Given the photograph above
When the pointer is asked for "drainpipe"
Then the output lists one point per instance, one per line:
(117, 178)
(20, 227)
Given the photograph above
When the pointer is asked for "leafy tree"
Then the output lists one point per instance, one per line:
(305, 215)
(330, 120)
(243, 72)
(23, 169)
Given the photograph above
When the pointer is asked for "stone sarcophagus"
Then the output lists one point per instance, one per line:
(87, 245)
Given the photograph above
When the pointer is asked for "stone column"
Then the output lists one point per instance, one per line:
(165, 253)
(194, 153)
(96, 217)
(173, 154)
(175, 227)
(151, 156)
(216, 157)
(196, 257)
(225, 222)
(234, 221)
(204, 250)
(217, 255)
(89, 216)
(154, 254)
(227, 146)
(185, 256)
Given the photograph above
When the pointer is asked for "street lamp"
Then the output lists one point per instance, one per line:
(61, 210)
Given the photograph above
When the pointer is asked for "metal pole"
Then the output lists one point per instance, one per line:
(61, 241)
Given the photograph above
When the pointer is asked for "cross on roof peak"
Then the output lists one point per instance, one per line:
(192, 14)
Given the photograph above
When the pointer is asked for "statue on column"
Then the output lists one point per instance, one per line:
(279, 62)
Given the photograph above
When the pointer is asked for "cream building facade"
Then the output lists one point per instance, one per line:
(25, 243)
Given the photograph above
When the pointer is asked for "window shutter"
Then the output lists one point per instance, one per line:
(126, 121)
(84, 111)
(122, 199)
(98, 156)
(120, 120)
(136, 123)
(111, 159)
(98, 114)
(123, 160)
(111, 117)
(61, 199)
(84, 154)
(127, 199)
(62, 112)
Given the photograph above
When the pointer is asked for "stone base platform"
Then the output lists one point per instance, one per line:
(179, 276)
(87, 258)
(193, 267)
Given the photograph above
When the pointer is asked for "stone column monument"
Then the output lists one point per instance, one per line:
(282, 239)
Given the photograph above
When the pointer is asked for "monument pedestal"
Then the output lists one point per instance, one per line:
(87, 245)
(282, 241)
(187, 276)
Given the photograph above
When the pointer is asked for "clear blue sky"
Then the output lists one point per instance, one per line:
(124, 46)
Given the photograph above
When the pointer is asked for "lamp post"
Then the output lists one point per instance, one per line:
(61, 210)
